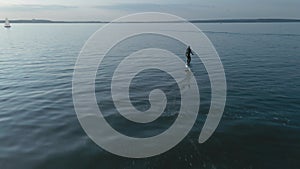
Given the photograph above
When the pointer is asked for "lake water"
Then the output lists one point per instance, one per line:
(260, 127)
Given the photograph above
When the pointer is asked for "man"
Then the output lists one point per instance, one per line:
(188, 53)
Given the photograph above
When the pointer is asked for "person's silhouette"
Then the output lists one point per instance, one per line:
(188, 53)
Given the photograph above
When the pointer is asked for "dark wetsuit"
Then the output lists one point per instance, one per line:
(188, 55)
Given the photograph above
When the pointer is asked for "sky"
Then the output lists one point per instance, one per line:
(107, 10)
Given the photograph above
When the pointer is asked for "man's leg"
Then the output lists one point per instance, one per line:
(188, 60)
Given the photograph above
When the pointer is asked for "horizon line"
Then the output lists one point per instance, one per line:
(235, 20)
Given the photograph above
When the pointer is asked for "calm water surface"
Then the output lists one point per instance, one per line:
(260, 127)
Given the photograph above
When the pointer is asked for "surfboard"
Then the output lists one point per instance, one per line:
(187, 68)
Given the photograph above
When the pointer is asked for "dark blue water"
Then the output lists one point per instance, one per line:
(260, 127)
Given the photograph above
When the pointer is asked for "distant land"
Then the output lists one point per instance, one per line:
(192, 21)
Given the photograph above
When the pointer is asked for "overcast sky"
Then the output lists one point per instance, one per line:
(107, 10)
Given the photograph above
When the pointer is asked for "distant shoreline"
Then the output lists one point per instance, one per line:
(192, 21)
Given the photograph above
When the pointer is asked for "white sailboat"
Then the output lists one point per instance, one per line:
(7, 24)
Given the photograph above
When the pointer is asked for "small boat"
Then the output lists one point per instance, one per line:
(7, 24)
